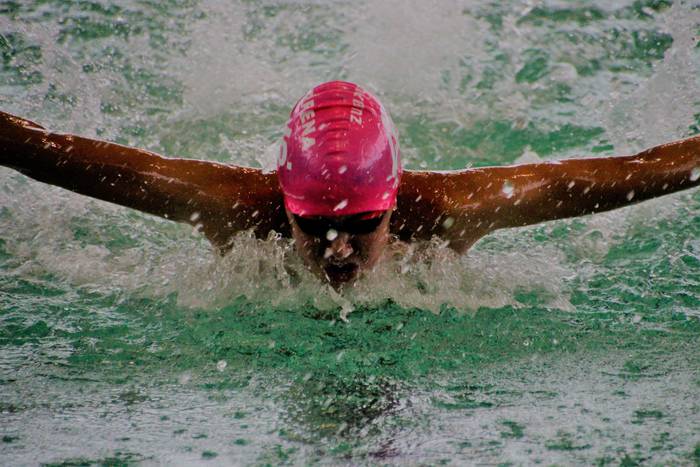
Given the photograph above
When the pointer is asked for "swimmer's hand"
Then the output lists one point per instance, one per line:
(462, 206)
(218, 199)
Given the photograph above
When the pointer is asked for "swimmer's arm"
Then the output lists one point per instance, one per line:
(462, 206)
(217, 198)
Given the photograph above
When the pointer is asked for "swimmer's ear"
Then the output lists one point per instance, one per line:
(462, 206)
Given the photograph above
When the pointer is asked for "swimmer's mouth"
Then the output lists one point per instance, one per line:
(339, 273)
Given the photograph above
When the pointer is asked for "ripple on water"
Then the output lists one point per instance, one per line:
(569, 342)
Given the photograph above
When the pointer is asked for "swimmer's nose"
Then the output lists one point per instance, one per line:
(340, 247)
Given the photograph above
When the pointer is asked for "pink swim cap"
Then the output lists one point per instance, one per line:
(340, 153)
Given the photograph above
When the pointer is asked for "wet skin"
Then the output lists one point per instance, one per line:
(340, 255)
(458, 207)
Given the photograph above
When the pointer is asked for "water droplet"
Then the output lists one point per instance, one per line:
(630, 195)
(695, 174)
(221, 365)
(255, 214)
(447, 223)
(508, 189)
(571, 184)
(331, 235)
(194, 217)
(385, 195)
(419, 198)
(289, 166)
(342, 205)
(327, 253)
(342, 169)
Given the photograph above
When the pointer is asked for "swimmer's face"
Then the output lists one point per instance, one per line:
(337, 249)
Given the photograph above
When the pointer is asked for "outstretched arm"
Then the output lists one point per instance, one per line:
(462, 206)
(220, 199)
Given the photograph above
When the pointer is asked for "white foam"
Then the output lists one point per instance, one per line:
(660, 108)
(228, 72)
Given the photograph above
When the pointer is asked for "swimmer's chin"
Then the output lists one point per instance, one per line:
(339, 275)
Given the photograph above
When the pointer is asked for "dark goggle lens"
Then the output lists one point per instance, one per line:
(354, 225)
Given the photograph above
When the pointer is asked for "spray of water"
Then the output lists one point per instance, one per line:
(246, 64)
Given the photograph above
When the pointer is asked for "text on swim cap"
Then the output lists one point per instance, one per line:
(308, 124)
(283, 149)
(358, 106)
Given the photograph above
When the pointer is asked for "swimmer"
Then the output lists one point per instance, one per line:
(339, 190)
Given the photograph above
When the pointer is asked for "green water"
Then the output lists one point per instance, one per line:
(123, 339)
